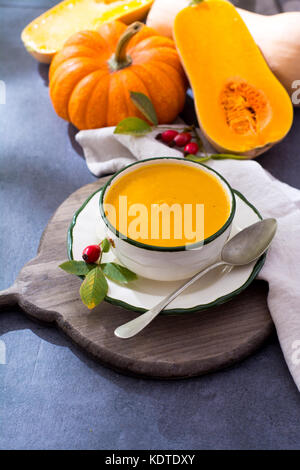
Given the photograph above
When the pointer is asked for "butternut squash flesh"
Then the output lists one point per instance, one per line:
(241, 106)
(46, 35)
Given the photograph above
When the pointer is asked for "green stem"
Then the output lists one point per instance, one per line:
(179, 127)
(194, 158)
(216, 156)
(227, 156)
(195, 2)
(101, 253)
(199, 140)
(120, 59)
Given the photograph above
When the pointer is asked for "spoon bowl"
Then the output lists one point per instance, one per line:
(249, 244)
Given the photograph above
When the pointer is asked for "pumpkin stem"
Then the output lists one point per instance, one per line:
(120, 59)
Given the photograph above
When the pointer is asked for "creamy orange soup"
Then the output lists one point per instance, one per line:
(167, 204)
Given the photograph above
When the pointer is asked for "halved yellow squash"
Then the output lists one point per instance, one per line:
(241, 106)
(46, 35)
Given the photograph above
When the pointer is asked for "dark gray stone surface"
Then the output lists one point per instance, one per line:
(51, 395)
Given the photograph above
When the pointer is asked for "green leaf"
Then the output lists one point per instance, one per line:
(143, 103)
(105, 245)
(195, 2)
(118, 273)
(94, 288)
(80, 268)
(133, 126)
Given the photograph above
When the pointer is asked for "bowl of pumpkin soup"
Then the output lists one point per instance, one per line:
(168, 217)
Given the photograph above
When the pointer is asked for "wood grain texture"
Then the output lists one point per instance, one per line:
(171, 347)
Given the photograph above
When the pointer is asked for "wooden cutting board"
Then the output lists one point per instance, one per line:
(171, 347)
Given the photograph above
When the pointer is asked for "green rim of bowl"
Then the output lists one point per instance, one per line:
(162, 248)
(176, 311)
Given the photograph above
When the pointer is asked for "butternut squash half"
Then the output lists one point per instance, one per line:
(241, 106)
(46, 35)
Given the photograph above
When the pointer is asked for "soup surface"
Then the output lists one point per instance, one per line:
(167, 204)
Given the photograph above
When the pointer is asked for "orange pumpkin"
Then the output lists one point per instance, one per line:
(92, 76)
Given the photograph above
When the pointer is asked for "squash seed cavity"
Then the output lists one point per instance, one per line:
(247, 109)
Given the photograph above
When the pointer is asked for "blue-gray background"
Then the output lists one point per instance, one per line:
(51, 395)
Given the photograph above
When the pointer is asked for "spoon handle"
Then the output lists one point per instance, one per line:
(131, 328)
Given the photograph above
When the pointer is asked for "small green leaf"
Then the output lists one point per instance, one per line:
(80, 268)
(144, 104)
(133, 126)
(118, 273)
(105, 245)
(94, 288)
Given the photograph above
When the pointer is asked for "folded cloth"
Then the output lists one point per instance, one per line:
(106, 152)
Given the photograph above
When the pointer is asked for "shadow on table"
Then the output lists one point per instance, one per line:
(43, 70)
(14, 319)
(72, 131)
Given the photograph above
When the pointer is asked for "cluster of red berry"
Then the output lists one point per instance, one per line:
(173, 138)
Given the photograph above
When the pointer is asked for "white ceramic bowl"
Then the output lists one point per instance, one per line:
(168, 263)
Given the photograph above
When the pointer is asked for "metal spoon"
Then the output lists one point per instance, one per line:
(245, 247)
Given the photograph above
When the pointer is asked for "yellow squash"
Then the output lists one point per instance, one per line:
(46, 35)
(241, 106)
(278, 37)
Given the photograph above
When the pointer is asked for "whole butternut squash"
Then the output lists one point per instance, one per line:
(278, 37)
(240, 104)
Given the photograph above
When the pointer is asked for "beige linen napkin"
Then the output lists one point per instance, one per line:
(106, 153)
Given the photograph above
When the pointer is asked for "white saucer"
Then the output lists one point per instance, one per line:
(218, 286)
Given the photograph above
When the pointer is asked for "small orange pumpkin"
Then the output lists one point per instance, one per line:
(92, 76)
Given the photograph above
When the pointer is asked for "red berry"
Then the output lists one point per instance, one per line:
(182, 139)
(91, 253)
(168, 136)
(191, 148)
